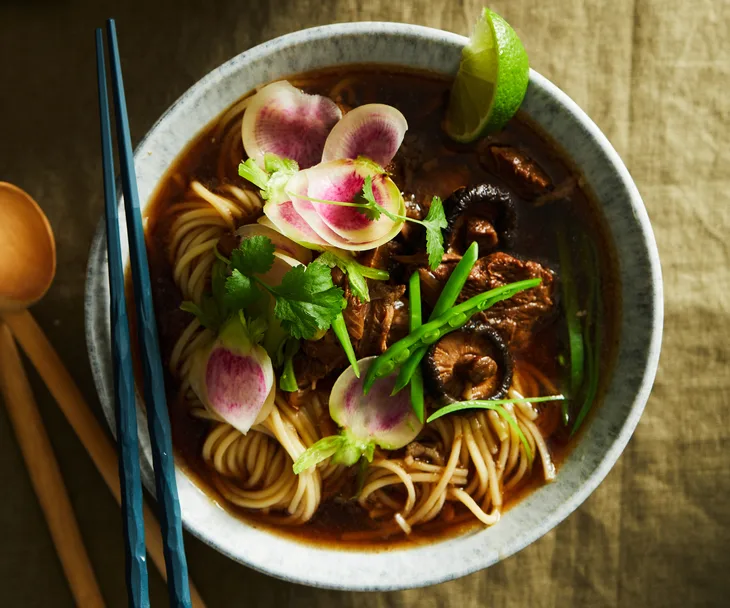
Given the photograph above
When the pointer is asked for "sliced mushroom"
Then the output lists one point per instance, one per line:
(470, 363)
(485, 214)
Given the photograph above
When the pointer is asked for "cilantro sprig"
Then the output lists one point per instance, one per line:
(306, 300)
(434, 221)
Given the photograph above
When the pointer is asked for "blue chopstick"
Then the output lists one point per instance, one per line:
(158, 421)
(131, 485)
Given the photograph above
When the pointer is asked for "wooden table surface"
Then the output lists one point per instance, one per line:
(653, 74)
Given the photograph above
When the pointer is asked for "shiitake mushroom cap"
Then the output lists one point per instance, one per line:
(448, 374)
(483, 202)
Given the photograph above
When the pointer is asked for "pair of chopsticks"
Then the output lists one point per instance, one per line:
(154, 390)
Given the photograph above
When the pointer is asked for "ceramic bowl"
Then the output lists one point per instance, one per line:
(640, 327)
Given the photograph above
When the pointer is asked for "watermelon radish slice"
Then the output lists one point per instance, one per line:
(298, 189)
(234, 377)
(282, 243)
(377, 419)
(282, 120)
(341, 181)
(374, 130)
(291, 224)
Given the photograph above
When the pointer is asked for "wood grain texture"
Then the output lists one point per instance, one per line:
(45, 475)
(653, 75)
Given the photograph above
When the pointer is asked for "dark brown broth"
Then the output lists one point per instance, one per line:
(421, 97)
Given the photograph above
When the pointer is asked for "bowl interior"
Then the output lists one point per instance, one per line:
(640, 327)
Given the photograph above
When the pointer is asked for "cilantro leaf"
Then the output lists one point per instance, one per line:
(306, 300)
(356, 272)
(434, 222)
(370, 208)
(255, 255)
(240, 292)
(208, 312)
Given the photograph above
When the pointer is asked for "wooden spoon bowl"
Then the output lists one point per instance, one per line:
(27, 250)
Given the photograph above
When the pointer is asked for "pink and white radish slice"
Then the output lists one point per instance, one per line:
(377, 419)
(341, 181)
(374, 131)
(282, 243)
(291, 224)
(283, 120)
(298, 189)
(233, 377)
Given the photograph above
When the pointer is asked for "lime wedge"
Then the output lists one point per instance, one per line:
(491, 82)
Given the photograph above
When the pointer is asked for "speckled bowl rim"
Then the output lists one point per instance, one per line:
(608, 431)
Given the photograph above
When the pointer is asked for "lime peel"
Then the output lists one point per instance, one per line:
(491, 82)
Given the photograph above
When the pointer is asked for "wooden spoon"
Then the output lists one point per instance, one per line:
(27, 267)
(28, 260)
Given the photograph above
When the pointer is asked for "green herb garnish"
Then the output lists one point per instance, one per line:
(272, 179)
(575, 333)
(356, 272)
(255, 255)
(498, 406)
(415, 321)
(339, 327)
(592, 334)
(434, 221)
(306, 301)
(287, 379)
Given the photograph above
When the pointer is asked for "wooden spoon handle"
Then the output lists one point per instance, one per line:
(45, 474)
(59, 382)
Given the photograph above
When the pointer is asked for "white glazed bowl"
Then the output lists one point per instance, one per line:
(608, 431)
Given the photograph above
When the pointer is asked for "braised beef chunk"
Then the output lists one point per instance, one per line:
(308, 371)
(485, 214)
(400, 327)
(381, 257)
(317, 358)
(411, 232)
(518, 170)
(433, 281)
(338, 277)
(379, 315)
(354, 316)
(516, 318)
